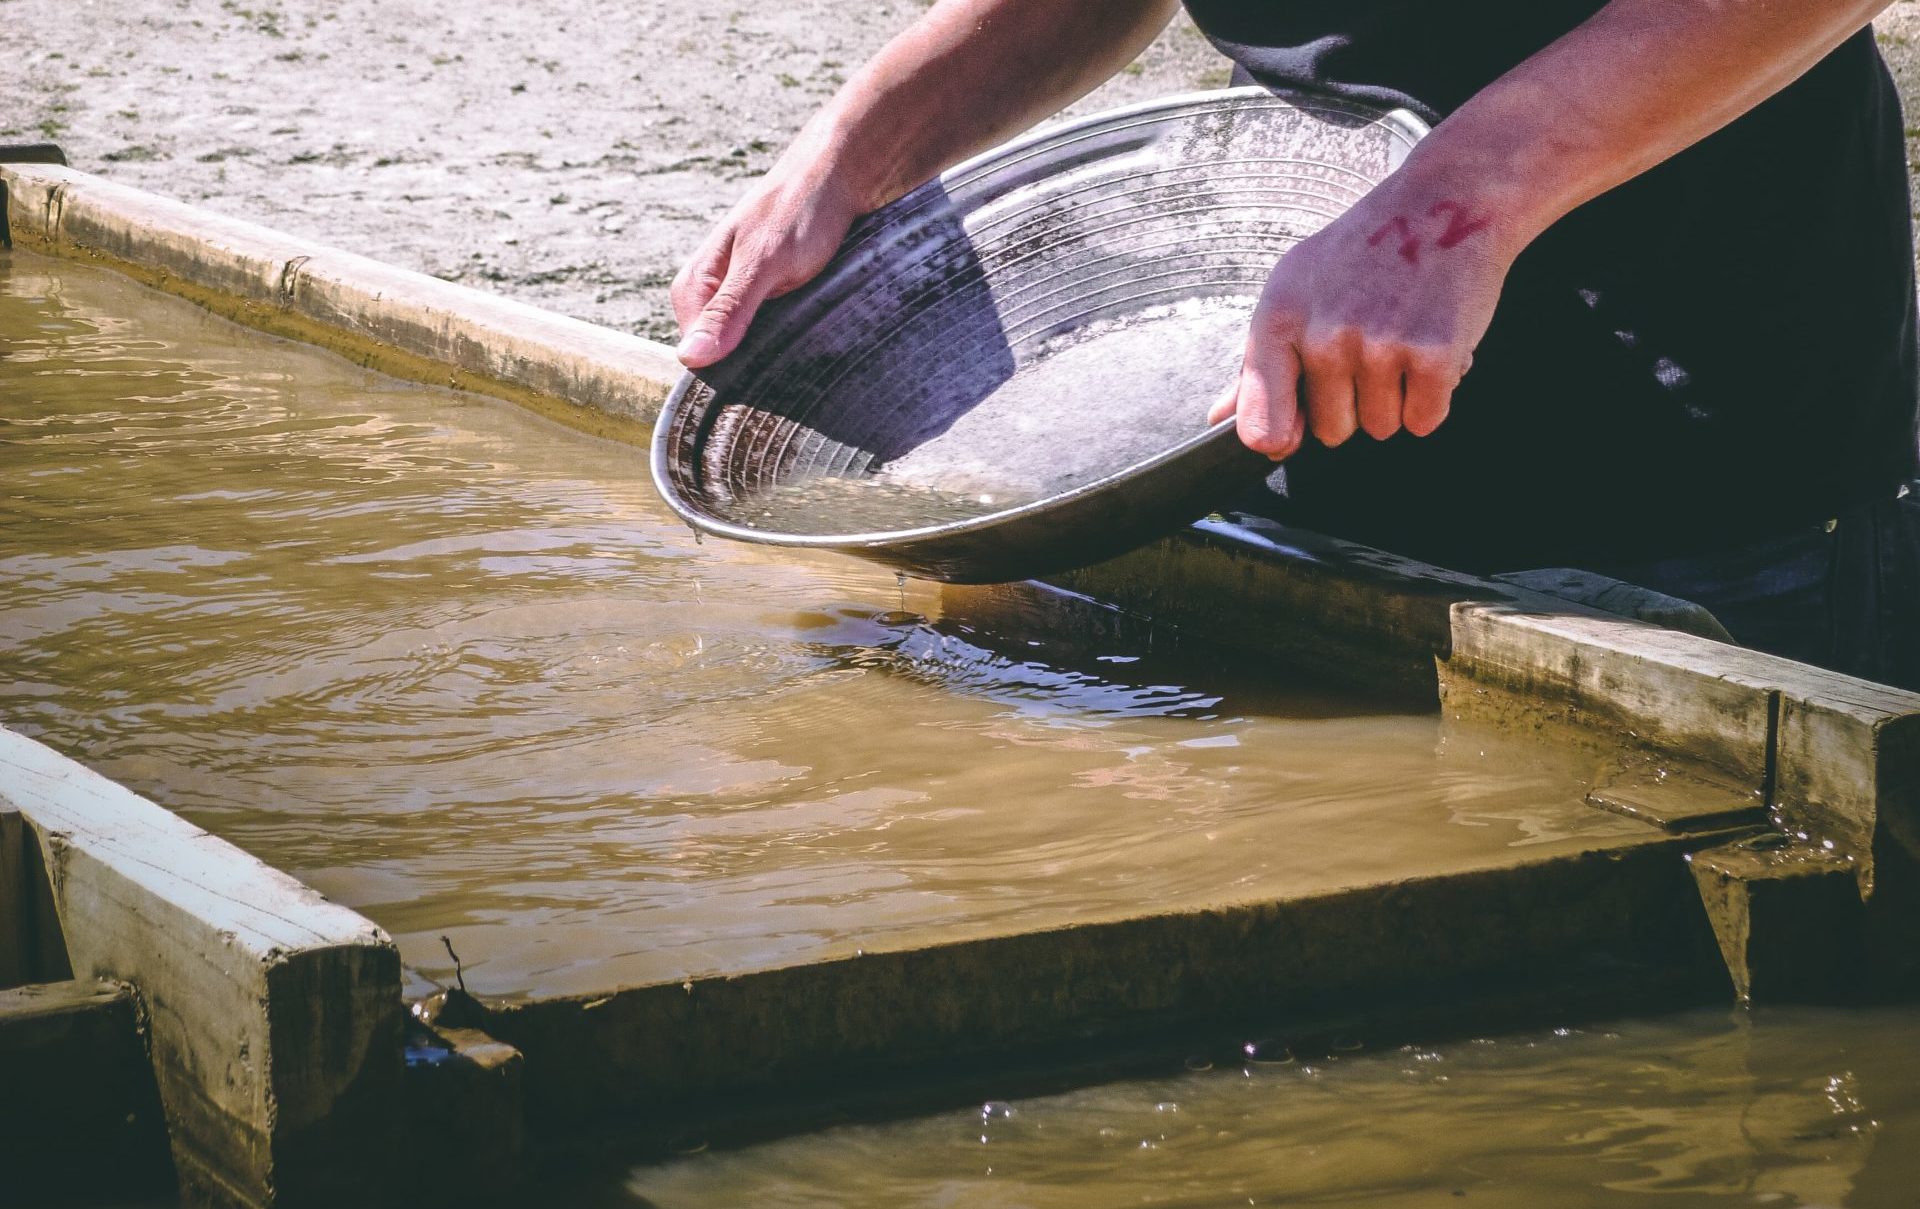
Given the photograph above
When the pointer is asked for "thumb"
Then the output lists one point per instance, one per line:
(1225, 404)
(1270, 418)
(722, 322)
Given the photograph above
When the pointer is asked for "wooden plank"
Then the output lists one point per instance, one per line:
(32, 946)
(1675, 800)
(15, 966)
(434, 326)
(1787, 916)
(79, 1119)
(1849, 775)
(1625, 683)
(1837, 758)
(274, 1015)
(1848, 761)
(1516, 923)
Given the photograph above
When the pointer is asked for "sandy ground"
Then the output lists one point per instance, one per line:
(568, 154)
(1899, 32)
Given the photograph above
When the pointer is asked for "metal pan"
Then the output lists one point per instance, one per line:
(1005, 372)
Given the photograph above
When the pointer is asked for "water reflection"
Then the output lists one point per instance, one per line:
(1782, 1108)
(462, 671)
(957, 658)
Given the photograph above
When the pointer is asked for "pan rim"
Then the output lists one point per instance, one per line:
(1399, 120)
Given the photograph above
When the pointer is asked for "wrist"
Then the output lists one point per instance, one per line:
(1518, 152)
(844, 149)
(1504, 210)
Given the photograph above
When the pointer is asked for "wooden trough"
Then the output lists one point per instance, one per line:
(255, 1037)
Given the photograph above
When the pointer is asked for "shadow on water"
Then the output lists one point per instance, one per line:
(1043, 673)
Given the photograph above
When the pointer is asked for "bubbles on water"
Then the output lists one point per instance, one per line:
(991, 1112)
(1199, 1062)
(1267, 1052)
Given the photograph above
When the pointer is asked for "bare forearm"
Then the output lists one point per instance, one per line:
(967, 75)
(962, 78)
(1370, 324)
(1640, 81)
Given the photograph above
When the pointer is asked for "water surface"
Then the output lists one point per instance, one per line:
(460, 669)
(1705, 1110)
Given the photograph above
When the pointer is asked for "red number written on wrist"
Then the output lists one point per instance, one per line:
(1460, 226)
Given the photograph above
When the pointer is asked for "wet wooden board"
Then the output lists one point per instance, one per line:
(14, 966)
(274, 1015)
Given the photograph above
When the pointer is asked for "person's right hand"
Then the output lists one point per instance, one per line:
(780, 235)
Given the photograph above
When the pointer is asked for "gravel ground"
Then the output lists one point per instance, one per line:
(1899, 32)
(567, 154)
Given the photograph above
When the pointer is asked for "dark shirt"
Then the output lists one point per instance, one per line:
(1718, 348)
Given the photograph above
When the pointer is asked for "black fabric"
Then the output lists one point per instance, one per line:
(1720, 347)
(1843, 593)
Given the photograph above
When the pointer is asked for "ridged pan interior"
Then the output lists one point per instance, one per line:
(1035, 323)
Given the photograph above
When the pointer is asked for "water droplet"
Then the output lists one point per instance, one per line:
(996, 1110)
(1347, 1045)
(1267, 1052)
(687, 1145)
(1198, 1062)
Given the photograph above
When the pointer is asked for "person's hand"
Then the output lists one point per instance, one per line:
(1369, 324)
(779, 236)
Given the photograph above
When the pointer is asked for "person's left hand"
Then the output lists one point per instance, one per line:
(1369, 324)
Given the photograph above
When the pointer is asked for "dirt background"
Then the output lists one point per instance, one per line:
(568, 154)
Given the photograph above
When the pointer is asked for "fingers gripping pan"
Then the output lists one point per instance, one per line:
(1006, 372)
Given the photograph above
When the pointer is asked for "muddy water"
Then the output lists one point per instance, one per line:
(460, 670)
(1782, 1108)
